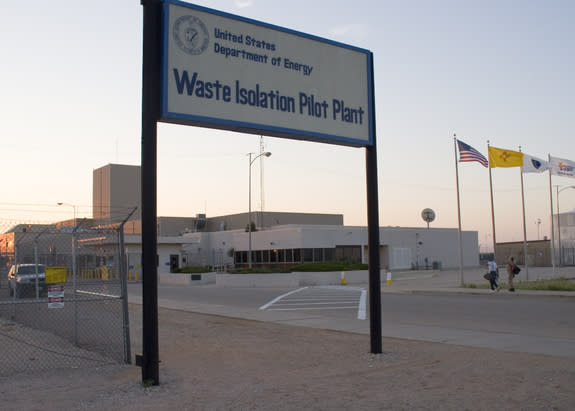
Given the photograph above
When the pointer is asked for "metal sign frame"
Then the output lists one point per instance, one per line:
(152, 113)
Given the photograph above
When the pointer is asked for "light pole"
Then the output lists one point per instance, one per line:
(538, 222)
(266, 154)
(559, 224)
(73, 207)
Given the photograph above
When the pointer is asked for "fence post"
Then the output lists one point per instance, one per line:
(35, 266)
(124, 285)
(36, 263)
(16, 244)
(74, 277)
(74, 287)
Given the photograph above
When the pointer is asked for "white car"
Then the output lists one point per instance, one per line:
(24, 278)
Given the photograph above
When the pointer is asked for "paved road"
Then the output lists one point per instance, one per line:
(523, 321)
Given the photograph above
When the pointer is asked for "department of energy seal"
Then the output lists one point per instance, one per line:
(191, 34)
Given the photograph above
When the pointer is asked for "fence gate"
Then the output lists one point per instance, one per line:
(63, 297)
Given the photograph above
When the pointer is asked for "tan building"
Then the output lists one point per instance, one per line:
(268, 219)
(116, 192)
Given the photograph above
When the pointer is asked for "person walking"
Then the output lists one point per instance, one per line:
(510, 274)
(493, 274)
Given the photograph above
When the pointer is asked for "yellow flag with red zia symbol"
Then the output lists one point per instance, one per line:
(500, 157)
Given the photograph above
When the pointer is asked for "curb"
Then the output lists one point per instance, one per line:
(471, 291)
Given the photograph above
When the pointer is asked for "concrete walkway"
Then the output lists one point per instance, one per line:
(451, 281)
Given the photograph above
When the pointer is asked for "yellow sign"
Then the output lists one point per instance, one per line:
(55, 275)
(500, 157)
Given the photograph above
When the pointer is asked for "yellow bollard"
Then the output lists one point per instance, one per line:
(343, 281)
(388, 278)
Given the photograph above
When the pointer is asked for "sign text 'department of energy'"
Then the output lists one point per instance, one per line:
(228, 72)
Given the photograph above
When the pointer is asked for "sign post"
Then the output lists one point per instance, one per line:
(373, 241)
(150, 115)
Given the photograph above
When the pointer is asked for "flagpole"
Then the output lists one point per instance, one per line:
(524, 226)
(551, 208)
(492, 207)
(458, 213)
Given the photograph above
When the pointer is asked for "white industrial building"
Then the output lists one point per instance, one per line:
(400, 248)
(281, 238)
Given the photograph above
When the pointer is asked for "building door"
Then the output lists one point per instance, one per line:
(174, 262)
(383, 256)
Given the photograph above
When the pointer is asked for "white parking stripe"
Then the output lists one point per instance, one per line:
(361, 314)
(332, 298)
(321, 298)
(338, 287)
(310, 308)
(263, 307)
(324, 303)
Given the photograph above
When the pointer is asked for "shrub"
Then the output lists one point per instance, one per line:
(196, 269)
(330, 266)
(260, 270)
(306, 267)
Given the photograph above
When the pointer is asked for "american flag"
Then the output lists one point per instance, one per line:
(468, 153)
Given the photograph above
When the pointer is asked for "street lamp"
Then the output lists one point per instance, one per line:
(266, 154)
(73, 207)
(559, 224)
(538, 222)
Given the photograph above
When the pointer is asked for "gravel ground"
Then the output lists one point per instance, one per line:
(218, 363)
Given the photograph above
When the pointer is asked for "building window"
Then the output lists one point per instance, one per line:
(241, 257)
(329, 254)
(350, 253)
(297, 255)
(308, 255)
(274, 256)
(318, 254)
(289, 256)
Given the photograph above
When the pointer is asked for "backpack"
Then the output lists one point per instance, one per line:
(515, 270)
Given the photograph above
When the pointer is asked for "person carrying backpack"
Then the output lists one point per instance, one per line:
(512, 270)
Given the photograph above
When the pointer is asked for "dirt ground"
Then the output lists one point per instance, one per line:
(217, 363)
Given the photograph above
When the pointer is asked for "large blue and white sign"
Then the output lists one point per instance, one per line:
(228, 72)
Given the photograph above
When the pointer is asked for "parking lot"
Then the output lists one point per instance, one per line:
(426, 306)
(325, 298)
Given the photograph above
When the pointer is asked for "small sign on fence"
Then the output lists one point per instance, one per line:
(56, 274)
(56, 296)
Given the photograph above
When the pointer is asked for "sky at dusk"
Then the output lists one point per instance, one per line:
(497, 70)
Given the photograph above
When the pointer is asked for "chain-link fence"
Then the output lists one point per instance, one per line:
(63, 297)
(567, 256)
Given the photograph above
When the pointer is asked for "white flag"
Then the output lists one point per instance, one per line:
(533, 164)
(561, 167)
